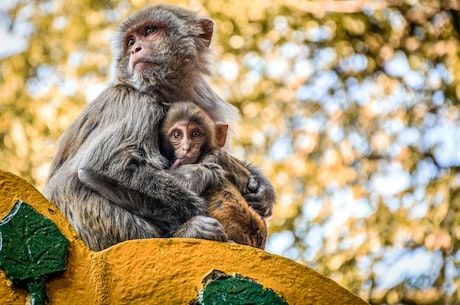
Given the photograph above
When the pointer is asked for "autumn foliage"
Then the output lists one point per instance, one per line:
(350, 107)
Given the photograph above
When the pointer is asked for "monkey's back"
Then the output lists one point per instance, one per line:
(102, 137)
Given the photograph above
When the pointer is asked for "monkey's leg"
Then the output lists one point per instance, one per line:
(241, 223)
(248, 179)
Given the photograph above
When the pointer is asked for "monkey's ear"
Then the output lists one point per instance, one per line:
(221, 134)
(207, 26)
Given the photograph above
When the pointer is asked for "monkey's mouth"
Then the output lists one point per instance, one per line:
(140, 64)
(182, 161)
(177, 163)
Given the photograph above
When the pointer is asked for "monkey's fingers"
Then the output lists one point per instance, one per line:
(253, 183)
(260, 202)
(202, 227)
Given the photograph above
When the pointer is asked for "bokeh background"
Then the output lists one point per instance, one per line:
(350, 107)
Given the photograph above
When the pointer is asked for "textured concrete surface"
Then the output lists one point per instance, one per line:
(159, 271)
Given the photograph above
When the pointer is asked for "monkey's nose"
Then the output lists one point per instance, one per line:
(136, 49)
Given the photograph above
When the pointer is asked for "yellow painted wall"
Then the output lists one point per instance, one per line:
(159, 271)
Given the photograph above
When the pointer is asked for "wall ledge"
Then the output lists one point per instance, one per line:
(159, 271)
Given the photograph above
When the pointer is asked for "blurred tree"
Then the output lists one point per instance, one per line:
(350, 107)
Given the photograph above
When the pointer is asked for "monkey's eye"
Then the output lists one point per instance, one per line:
(130, 41)
(196, 133)
(176, 134)
(150, 29)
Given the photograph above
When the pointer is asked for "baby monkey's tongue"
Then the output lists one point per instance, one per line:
(177, 163)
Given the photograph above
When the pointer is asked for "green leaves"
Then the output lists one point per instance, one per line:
(220, 288)
(31, 247)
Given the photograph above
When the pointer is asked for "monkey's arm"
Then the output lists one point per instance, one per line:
(146, 203)
(140, 203)
(198, 226)
(199, 177)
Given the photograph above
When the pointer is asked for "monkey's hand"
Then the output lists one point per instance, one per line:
(202, 227)
(261, 196)
(199, 177)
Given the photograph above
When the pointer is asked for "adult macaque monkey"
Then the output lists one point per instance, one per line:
(189, 137)
(159, 57)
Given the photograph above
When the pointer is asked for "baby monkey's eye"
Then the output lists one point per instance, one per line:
(176, 134)
(196, 133)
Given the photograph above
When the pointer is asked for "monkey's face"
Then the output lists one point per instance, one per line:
(161, 48)
(147, 58)
(188, 140)
(139, 42)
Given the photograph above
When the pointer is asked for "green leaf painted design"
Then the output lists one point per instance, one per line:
(220, 288)
(31, 247)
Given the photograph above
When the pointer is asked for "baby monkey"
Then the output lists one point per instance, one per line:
(189, 136)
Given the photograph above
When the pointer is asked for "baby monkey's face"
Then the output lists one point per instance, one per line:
(187, 139)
